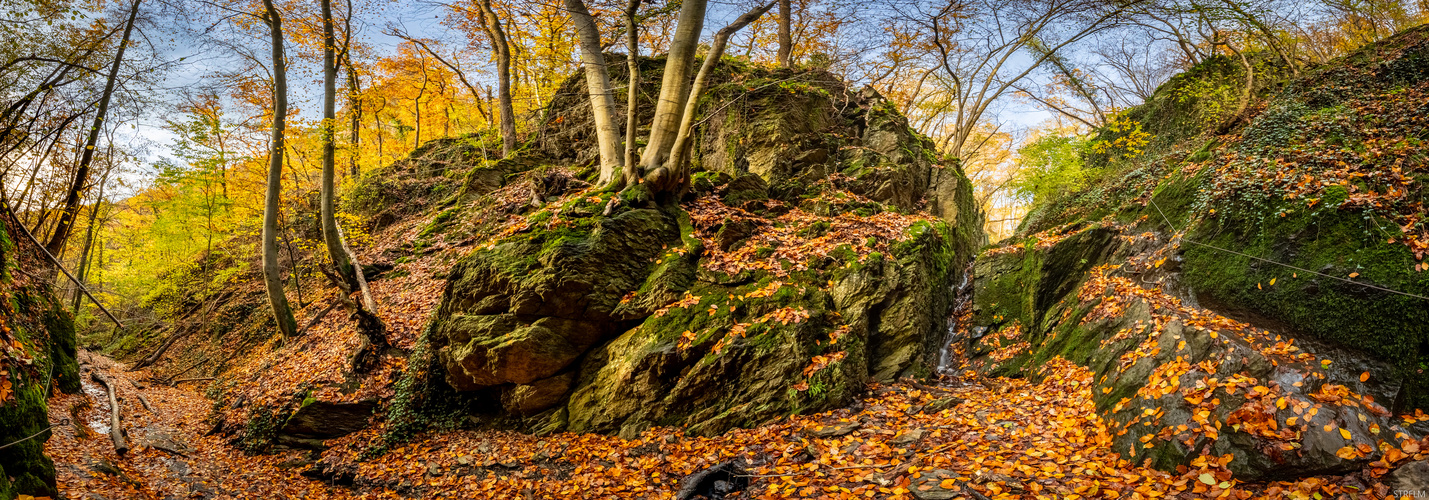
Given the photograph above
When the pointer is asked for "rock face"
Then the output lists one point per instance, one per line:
(1175, 380)
(40, 334)
(1163, 280)
(323, 420)
(814, 254)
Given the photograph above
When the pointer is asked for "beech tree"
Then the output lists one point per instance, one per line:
(601, 94)
(272, 275)
(500, 43)
(327, 135)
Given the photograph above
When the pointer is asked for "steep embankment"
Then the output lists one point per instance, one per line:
(37, 356)
(1251, 291)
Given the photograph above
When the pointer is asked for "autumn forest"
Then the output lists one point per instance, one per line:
(906, 249)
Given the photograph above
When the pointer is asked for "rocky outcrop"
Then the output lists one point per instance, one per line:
(1225, 290)
(788, 128)
(814, 253)
(1175, 380)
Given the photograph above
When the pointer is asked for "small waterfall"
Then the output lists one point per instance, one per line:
(962, 304)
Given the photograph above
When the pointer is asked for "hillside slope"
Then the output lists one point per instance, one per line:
(1251, 291)
(37, 356)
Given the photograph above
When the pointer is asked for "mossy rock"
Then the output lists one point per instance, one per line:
(44, 332)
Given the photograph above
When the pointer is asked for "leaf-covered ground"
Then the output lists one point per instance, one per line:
(998, 438)
(968, 437)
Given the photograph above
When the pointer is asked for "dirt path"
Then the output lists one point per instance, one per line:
(170, 455)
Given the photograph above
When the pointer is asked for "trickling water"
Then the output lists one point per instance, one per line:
(98, 420)
(962, 300)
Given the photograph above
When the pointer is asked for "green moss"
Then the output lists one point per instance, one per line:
(1391, 327)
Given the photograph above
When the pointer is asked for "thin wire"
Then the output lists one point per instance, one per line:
(1262, 259)
(32, 436)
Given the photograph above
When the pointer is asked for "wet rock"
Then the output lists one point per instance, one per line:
(164, 439)
(928, 485)
(941, 404)
(907, 437)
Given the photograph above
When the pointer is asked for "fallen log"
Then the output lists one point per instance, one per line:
(116, 429)
(198, 379)
(159, 353)
(145, 402)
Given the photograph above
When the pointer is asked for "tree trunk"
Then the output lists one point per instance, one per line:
(354, 112)
(81, 174)
(631, 172)
(272, 276)
(327, 135)
(602, 96)
(116, 427)
(84, 261)
(492, 23)
(678, 164)
(786, 39)
(674, 90)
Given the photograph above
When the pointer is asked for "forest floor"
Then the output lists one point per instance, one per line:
(967, 438)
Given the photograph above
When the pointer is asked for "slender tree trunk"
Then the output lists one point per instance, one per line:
(786, 39)
(328, 137)
(679, 155)
(354, 112)
(674, 90)
(602, 96)
(492, 23)
(81, 174)
(417, 118)
(631, 172)
(84, 261)
(272, 276)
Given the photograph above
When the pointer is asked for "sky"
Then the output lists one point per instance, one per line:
(422, 18)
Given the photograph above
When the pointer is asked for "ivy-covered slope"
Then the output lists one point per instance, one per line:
(1256, 295)
(37, 356)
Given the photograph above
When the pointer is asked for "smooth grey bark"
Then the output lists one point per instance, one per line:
(678, 162)
(602, 95)
(272, 275)
(492, 23)
(674, 90)
(786, 38)
(327, 195)
(631, 172)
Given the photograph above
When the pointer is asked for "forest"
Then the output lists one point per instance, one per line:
(910, 249)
